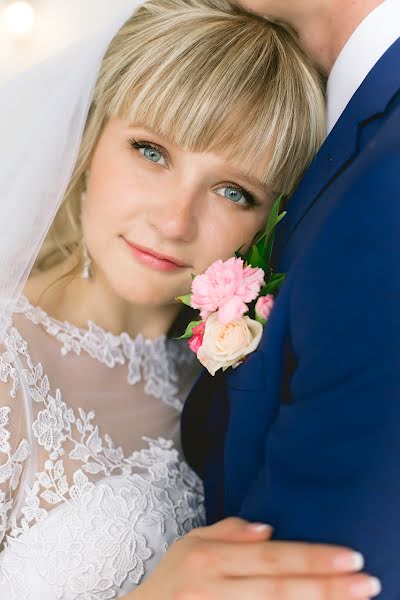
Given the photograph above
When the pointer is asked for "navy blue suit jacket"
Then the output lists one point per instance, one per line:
(305, 434)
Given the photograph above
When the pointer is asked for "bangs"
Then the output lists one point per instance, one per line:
(232, 85)
(211, 77)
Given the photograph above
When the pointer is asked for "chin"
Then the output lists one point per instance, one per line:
(146, 292)
(138, 284)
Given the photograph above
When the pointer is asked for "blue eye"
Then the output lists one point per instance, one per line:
(232, 194)
(150, 152)
(236, 195)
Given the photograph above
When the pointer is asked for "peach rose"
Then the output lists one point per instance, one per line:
(225, 345)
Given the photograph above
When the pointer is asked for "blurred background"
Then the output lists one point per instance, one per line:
(30, 30)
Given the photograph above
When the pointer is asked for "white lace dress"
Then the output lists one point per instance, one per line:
(93, 485)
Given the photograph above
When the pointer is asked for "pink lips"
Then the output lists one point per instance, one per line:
(153, 259)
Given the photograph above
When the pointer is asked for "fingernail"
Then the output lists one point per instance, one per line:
(367, 588)
(260, 527)
(352, 561)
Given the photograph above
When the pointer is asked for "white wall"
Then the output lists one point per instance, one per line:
(58, 23)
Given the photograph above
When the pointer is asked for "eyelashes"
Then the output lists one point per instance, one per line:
(143, 144)
(250, 199)
(147, 145)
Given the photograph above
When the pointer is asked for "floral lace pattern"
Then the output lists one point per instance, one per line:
(157, 361)
(108, 519)
(93, 538)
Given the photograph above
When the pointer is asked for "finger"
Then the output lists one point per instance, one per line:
(234, 529)
(277, 558)
(346, 587)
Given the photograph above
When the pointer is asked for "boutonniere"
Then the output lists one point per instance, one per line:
(235, 299)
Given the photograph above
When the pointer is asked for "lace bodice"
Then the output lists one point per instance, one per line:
(93, 485)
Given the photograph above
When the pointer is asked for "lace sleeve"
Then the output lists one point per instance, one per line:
(14, 446)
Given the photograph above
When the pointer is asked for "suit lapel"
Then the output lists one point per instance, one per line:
(341, 146)
(199, 413)
(207, 402)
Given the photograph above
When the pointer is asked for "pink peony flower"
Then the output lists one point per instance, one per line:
(264, 306)
(196, 341)
(226, 288)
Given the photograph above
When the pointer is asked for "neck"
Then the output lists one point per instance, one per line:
(325, 27)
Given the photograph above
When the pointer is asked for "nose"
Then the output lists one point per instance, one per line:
(176, 215)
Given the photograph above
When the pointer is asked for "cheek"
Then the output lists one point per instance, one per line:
(228, 232)
(116, 199)
(106, 205)
(102, 216)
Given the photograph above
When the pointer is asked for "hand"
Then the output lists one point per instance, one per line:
(235, 559)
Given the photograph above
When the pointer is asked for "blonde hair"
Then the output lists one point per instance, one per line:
(212, 77)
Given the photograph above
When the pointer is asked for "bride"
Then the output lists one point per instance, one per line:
(200, 114)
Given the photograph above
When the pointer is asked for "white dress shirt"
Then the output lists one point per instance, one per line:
(369, 42)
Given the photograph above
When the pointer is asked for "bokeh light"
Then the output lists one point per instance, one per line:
(19, 17)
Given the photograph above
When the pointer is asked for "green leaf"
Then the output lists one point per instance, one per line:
(256, 259)
(260, 319)
(273, 284)
(260, 252)
(274, 218)
(189, 331)
(274, 214)
(185, 299)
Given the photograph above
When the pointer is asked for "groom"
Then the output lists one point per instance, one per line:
(305, 435)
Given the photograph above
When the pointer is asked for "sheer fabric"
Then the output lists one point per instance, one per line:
(93, 484)
(43, 144)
